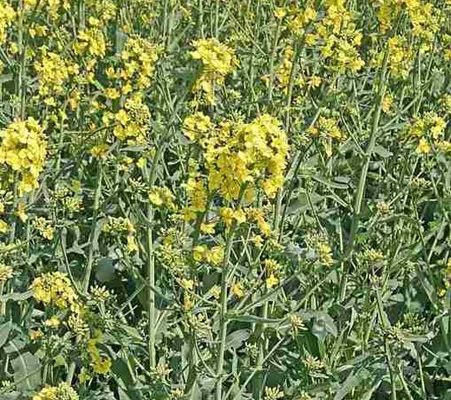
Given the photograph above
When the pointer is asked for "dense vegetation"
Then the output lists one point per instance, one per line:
(225, 199)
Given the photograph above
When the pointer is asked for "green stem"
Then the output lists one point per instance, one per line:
(92, 234)
(223, 312)
(223, 302)
(151, 282)
(364, 173)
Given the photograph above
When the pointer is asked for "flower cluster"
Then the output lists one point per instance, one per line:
(92, 44)
(53, 8)
(23, 148)
(400, 57)
(53, 72)
(100, 365)
(237, 154)
(426, 131)
(327, 130)
(218, 61)
(61, 392)
(7, 15)
(132, 121)
(138, 57)
(120, 225)
(338, 38)
(6, 272)
(55, 289)
(423, 17)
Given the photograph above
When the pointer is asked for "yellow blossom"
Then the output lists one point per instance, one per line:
(238, 290)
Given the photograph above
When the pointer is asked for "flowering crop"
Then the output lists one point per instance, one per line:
(225, 200)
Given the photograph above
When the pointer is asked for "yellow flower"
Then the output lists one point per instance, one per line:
(218, 61)
(132, 244)
(280, 12)
(35, 334)
(7, 16)
(215, 255)
(387, 104)
(99, 150)
(6, 272)
(53, 322)
(423, 147)
(44, 228)
(238, 290)
(62, 391)
(53, 72)
(101, 365)
(187, 284)
(23, 148)
(199, 252)
(271, 281)
(138, 58)
(54, 288)
(4, 227)
(208, 228)
(133, 121)
(196, 125)
(112, 93)
(226, 215)
(216, 292)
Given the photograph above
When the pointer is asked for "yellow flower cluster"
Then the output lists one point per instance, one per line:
(239, 153)
(120, 225)
(55, 289)
(53, 72)
(327, 130)
(132, 121)
(53, 8)
(332, 30)
(218, 61)
(197, 197)
(100, 365)
(297, 19)
(23, 148)
(426, 130)
(214, 256)
(162, 196)
(139, 57)
(322, 249)
(6, 272)
(339, 39)
(7, 15)
(90, 42)
(104, 11)
(400, 57)
(284, 70)
(272, 269)
(423, 17)
(44, 227)
(61, 392)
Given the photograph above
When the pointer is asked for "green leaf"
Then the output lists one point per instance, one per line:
(382, 151)
(5, 329)
(329, 183)
(27, 371)
(17, 296)
(236, 339)
(253, 319)
(105, 270)
(350, 383)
